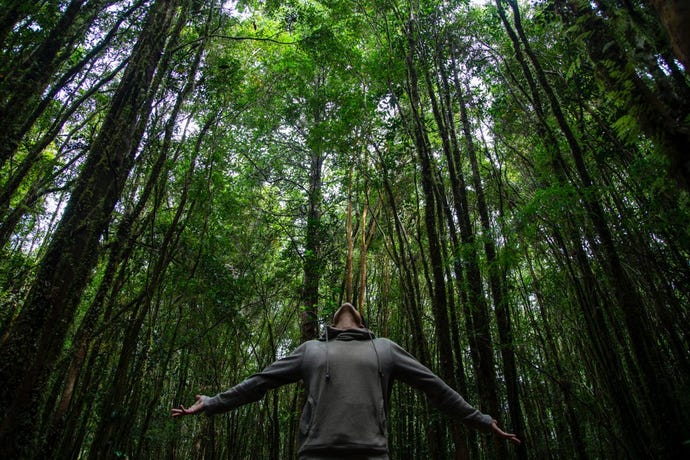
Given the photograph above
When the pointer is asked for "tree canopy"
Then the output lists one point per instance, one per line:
(189, 189)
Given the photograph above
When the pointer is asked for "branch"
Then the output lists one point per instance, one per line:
(254, 38)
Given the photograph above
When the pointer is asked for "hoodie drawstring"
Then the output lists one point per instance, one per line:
(328, 364)
(378, 362)
(376, 352)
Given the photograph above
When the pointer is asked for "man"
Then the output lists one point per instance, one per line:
(348, 376)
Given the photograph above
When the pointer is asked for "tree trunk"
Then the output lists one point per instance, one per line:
(114, 428)
(668, 129)
(312, 251)
(19, 173)
(479, 334)
(675, 18)
(564, 385)
(120, 252)
(350, 243)
(14, 11)
(33, 114)
(35, 339)
(408, 274)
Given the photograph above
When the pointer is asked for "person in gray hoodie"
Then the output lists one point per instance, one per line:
(348, 375)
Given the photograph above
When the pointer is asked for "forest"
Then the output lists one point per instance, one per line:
(189, 189)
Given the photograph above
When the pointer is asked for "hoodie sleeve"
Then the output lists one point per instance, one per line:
(281, 372)
(407, 369)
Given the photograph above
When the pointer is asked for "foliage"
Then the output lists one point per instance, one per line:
(542, 137)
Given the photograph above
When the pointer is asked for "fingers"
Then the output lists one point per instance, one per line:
(195, 408)
(509, 436)
(514, 439)
(177, 411)
(181, 410)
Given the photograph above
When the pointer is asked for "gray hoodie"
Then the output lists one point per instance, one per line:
(348, 376)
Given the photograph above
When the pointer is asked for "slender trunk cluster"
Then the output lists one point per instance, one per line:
(35, 338)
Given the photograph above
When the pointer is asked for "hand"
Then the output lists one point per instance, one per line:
(195, 408)
(502, 434)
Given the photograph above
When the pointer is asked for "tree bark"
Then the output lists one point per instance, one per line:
(674, 16)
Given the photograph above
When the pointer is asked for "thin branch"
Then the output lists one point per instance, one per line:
(261, 39)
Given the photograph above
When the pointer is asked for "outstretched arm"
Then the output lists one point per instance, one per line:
(281, 372)
(407, 369)
(502, 434)
(195, 408)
